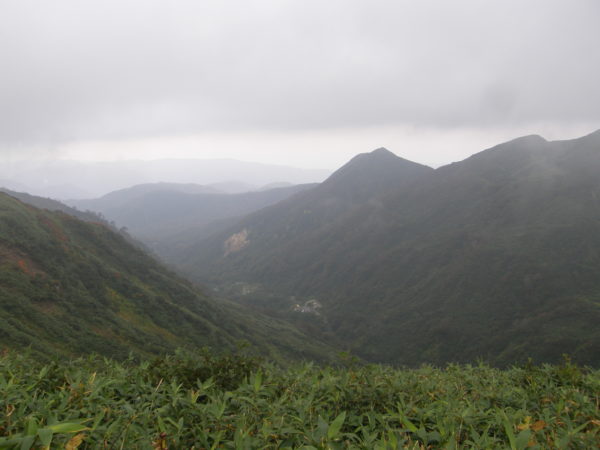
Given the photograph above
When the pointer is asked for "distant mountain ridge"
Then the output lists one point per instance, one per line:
(155, 212)
(492, 257)
(364, 178)
(94, 179)
(122, 196)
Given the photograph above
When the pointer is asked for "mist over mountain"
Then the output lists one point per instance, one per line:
(64, 179)
(492, 257)
(69, 288)
(495, 256)
(363, 179)
(121, 197)
(181, 266)
(159, 211)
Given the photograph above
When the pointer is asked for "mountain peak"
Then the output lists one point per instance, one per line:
(378, 153)
(592, 136)
(374, 172)
(513, 150)
(528, 139)
(381, 151)
(376, 161)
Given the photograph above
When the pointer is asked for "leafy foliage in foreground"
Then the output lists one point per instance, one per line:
(239, 402)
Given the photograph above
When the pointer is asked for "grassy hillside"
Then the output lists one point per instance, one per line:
(237, 402)
(70, 287)
(495, 257)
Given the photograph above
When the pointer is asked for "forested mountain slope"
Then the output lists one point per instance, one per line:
(52, 205)
(274, 247)
(70, 287)
(494, 257)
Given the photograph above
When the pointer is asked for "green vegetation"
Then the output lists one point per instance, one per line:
(69, 288)
(54, 205)
(495, 257)
(228, 401)
(475, 262)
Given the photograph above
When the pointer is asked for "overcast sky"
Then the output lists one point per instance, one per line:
(305, 82)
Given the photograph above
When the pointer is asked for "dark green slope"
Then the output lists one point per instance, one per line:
(494, 257)
(70, 287)
(276, 235)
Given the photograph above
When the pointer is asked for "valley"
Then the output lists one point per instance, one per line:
(71, 287)
(492, 258)
(299, 225)
(462, 297)
(485, 258)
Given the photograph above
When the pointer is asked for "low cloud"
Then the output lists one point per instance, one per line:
(76, 71)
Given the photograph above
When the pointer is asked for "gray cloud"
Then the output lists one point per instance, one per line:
(75, 69)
